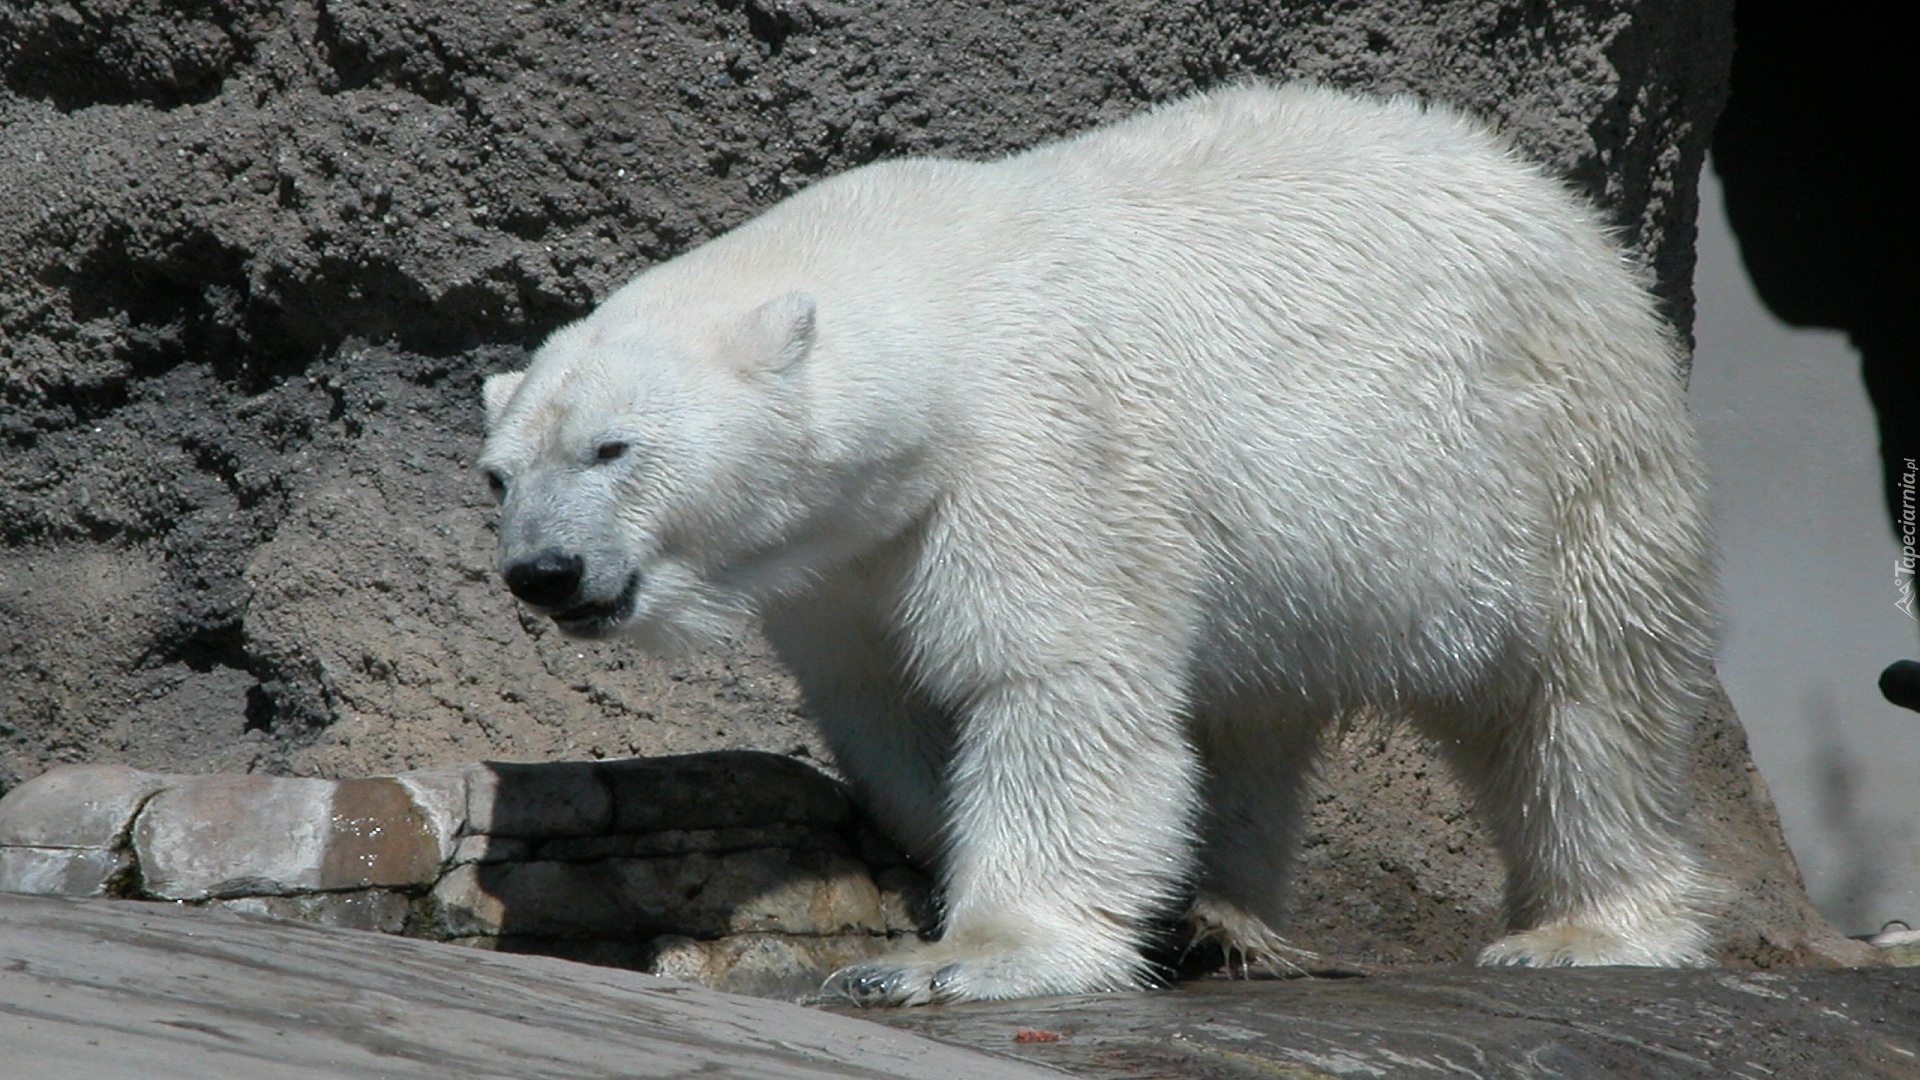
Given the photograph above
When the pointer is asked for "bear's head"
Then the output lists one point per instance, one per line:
(653, 467)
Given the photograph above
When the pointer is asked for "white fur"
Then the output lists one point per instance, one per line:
(1084, 490)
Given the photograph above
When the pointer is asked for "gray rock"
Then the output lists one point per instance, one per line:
(109, 989)
(721, 790)
(491, 849)
(766, 850)
(233, 836)
(441, 795)
(381, 910)
(1900, 947)
(685, 841)
(66, 831)
(530, 899)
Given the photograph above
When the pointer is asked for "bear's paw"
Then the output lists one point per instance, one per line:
(940, 973)
(1575, 945)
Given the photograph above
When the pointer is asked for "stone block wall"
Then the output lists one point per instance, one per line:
(746, 871)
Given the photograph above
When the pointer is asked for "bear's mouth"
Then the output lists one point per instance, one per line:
(600, 618)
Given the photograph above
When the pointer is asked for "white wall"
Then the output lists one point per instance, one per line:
(1807, 573)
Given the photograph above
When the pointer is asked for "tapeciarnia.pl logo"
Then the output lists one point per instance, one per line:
(1903, 566)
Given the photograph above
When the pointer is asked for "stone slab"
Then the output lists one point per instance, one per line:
(441, 796)
(684, 841)
(92, 989)
(377, 835)
(60, 871)
(224, 836)
(233, 836)
(79, 806)
(544, 800)
(365, 909)
(1901, 947)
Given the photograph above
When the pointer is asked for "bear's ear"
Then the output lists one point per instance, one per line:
(778, 333)
(497, 391)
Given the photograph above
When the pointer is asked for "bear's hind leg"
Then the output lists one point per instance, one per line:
(1258, 769)
(1583, 800)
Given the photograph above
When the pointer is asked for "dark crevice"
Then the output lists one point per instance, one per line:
(209, 647)
(770, 22)
(262, 708)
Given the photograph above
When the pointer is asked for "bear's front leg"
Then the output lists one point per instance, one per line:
(1070, 829)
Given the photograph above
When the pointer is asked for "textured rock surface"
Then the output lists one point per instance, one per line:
(262, 253)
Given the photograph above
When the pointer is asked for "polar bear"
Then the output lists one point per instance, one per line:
(1083, 491)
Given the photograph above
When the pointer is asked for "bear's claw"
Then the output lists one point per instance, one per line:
(947, 972)
(880, 983)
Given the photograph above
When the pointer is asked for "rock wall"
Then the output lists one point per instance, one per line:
(261, 254)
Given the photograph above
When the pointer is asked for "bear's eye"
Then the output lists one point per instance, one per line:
(607, 451)
(496, 483)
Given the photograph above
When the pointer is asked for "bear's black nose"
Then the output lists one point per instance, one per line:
(547, 580)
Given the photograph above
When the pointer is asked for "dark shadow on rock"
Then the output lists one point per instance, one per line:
(1856, 840)
(746, 870)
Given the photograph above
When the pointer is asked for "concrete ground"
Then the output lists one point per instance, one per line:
(101, 989)
(112, 988)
